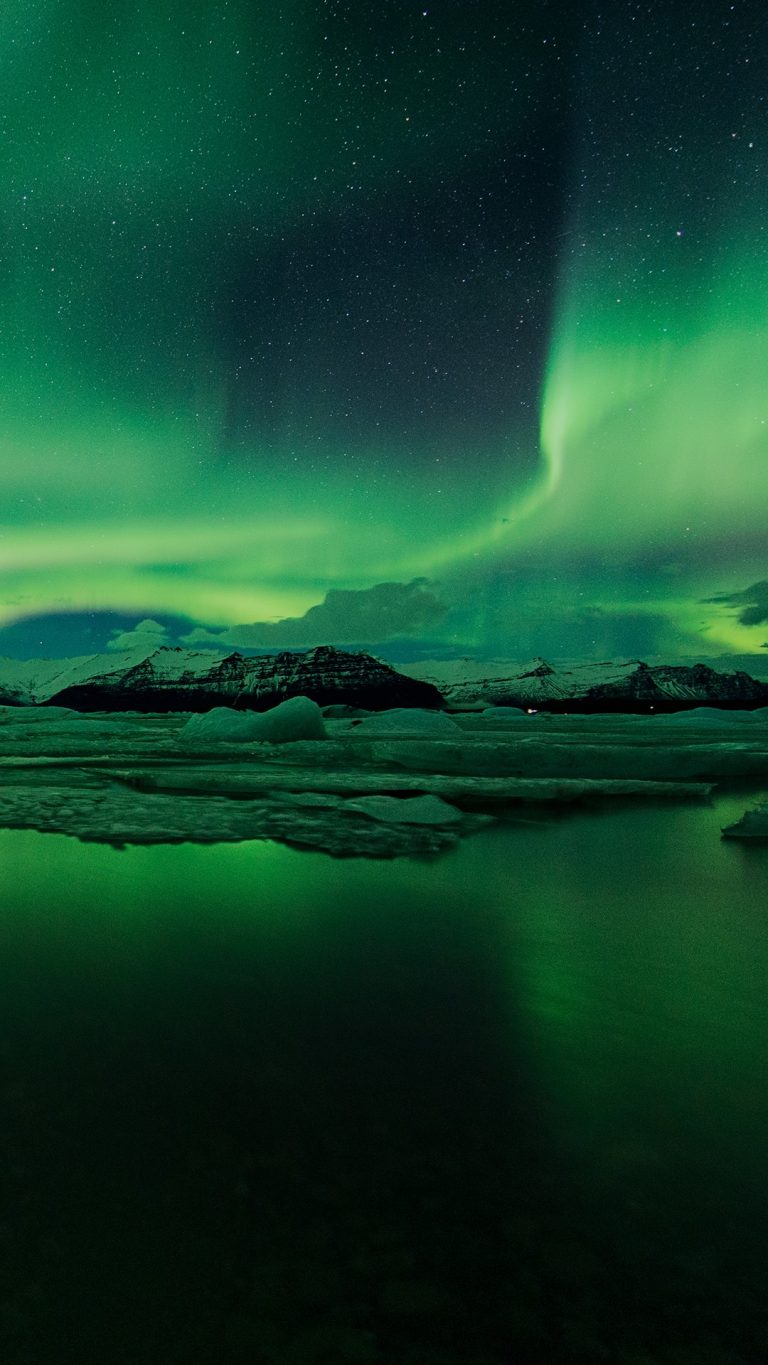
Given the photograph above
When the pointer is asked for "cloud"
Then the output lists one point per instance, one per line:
(147, 632)
(753, 602)
(345, 616)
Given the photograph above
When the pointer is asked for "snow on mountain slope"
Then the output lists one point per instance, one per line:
(498, 681)
(35, 680)
(467, 682)
(174, 679)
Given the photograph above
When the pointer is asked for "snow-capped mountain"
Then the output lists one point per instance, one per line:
(629, 685)
(174, 679)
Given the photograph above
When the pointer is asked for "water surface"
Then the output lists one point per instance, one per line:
(262, 1105)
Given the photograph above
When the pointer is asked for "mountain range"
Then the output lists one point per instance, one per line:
(625, 686)
(175, 679)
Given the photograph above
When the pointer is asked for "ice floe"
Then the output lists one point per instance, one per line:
(467, 791)
(119, 816)
(418, 810)
(408, 783)
(407, 722)
(544, 758)
(35, 715)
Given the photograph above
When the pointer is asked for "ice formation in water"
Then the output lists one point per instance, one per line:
(297, 718)
(504, 712)
(418, 810)
(752, 825)
(408, 722)
(410, 783)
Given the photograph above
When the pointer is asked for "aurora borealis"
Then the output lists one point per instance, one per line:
(460, 305)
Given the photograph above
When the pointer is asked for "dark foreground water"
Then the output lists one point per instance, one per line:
(263, 1106)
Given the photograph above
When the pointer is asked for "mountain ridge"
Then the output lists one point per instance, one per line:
(171, 678)
(610, 685)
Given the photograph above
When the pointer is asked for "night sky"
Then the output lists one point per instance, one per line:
(438, 329)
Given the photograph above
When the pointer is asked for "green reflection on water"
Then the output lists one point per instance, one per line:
(346, 1110)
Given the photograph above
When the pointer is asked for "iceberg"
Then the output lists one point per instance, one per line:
(405, 721)
(295, 719)
(752, 825)
(415, 810)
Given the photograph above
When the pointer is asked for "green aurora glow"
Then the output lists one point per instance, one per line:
(326, 295)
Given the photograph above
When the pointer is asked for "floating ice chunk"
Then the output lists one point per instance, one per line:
(409, 721)
(326, 786)
(297, 718)
(415, 810)
(712, 715)
(22, 715)
(752, 825)
(339, 710)
(120, 817)
(504, 712)
(536, 758)
(221, 724)
(320, 800)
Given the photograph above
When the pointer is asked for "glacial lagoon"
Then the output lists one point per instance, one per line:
(267, 1105)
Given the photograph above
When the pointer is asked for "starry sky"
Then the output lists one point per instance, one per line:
(435, 329)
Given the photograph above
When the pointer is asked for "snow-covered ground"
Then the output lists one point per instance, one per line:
(399, 783)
